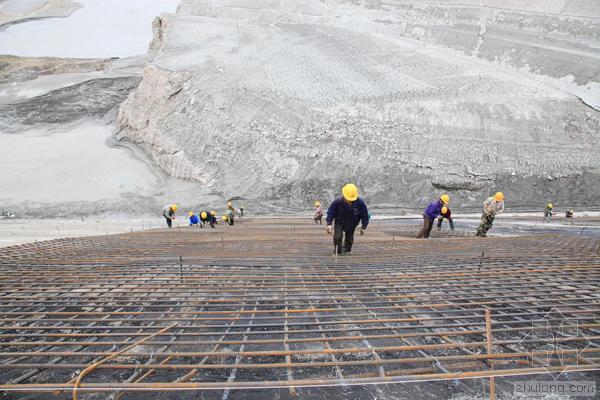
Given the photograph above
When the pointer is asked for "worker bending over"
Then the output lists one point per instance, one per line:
(229, 216)
(491, 207)
(347, 211)
(569, 214)
(168, 212)
(447, 214)
(548, 212)
(194, 220)
(433, 210)
(206, 218)
(318, 215)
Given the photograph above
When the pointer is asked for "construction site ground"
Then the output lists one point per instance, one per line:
(264, 310)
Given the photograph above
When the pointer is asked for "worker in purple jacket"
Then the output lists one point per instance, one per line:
(433, 210)
(447, 214)
(347, 212)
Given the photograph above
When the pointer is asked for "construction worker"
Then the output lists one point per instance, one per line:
(168, 212)
(432, 211)
(569, 214)
(206, 218)
(548, 212)
(6, 214)
(241, 211)
(213, 218)
(446, 213)
(491, 207)
(318, 215)
(230, 206)
(347, 211)
(229, 214)
(194, 220)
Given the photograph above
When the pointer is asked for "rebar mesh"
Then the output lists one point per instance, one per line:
(265, 304)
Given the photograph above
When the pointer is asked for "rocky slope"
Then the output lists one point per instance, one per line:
(284, 101)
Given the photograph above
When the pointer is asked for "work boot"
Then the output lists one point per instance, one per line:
(346, 251)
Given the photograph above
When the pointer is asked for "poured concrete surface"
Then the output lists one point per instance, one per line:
(17, 231)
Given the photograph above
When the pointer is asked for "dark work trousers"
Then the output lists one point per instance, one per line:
(426, 229)
(206, 222)
(169, 221)
(340, 230)
(441, 219)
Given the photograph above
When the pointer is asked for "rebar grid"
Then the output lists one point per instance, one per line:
(265, 304)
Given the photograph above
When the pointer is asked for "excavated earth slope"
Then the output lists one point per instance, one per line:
(286, 100)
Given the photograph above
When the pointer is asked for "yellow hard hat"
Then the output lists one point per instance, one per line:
(224, 218)
(350, 192)
(174, 207)
(203, 215)
(213, 213)
(191, 213)
(499, 196)
(317, 204)
(445, 198)
(444, 210)
(550, 205)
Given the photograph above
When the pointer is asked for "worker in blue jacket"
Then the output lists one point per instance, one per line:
(194, 220)
(347, 212)
(433, 210)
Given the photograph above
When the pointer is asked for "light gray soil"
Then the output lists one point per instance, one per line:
(283, 104)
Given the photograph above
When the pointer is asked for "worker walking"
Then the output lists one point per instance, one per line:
(491, 207)
(213, 219)
(194, 220)
(347, 212)
(433, 210)
(548, 212)
(318, 215)
(206, 218)
(168, 212)
(447, 214)
(241, 211)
